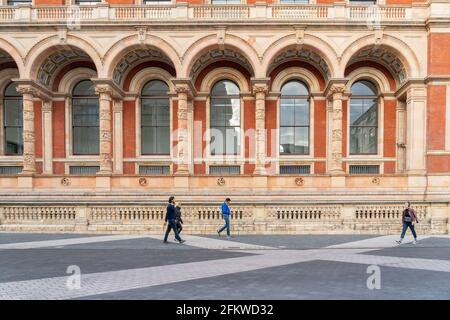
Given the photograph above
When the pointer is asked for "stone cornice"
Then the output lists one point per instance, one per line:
(32, 87)
(107, 85)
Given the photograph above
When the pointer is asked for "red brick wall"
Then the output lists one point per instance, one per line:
(438, 163)
(58, 167)
(390, 133)
(199, 133)
(389, 167)
(249, 124)
(436, 118)
(59, 134)
(320, 128)
(49, 2)
(438, 53)
(129, 129)
(121, 1)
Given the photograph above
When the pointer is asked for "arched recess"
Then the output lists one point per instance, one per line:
(148, 74)
(129, 52)
(74, 49)
(311, 49)
(10, 57)
(372, 75)
(391, 53)
(224, 74)
(207, 50)
(295, 73)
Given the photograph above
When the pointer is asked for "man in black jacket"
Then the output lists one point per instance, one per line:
(170, 220)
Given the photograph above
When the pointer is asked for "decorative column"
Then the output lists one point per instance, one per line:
(401, 136)
(260, 91)
(29, 152)
(336, 94)
(105, 96)
(416, 102)
(182, 148)
(47, 139)
(2, 138)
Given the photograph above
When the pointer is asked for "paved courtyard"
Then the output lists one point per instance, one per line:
(78, 266)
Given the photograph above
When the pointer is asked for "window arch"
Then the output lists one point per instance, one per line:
(364, 118)
(225, 119)
(12, 120)
(294, 118)
(155, 118)
(85, 119)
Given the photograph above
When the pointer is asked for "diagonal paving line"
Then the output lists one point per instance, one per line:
(65, 242)
(396, 262)
(217, 244)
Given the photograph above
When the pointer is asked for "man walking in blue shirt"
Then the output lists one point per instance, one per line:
(226, 216)
(171, 220)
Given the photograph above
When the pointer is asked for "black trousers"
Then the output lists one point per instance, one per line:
(179, 227)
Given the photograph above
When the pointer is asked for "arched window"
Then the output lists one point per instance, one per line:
(294, 118)
(85, 119)
(155, 118)
(363, 118)
(225, 118)
(12, 120)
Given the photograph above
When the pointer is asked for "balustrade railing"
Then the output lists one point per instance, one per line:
(184, 12)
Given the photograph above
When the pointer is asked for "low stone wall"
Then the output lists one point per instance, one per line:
(246, 219)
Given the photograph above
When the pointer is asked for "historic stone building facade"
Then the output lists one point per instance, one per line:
(313, 116)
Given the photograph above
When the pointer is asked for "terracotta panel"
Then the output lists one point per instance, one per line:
(129, 129)
(436, 117)
(438, 163)
(59, 131)
(320, 128)
(390, 114)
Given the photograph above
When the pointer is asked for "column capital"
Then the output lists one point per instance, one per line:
(27, 86)
(184, 86)
(107, 86)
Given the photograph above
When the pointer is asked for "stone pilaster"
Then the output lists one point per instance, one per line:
(47, 139)
(105, 93)
(182, 148)
(29, 151)
(416, 102)
(260, 91)
(335, 95)
(118, 135)
(401, 136)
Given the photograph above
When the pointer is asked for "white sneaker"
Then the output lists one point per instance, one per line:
(415, 242)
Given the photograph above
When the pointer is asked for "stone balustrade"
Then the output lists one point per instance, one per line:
(103, 13)
(246, 218)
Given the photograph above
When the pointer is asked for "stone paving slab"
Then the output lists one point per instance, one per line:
(306, 280)
(8, 237)
(17, 265)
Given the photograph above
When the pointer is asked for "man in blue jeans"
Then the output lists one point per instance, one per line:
(226, 216)
(170, 220)
(409, 217)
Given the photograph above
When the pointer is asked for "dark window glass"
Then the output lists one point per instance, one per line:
(12, 121)
(85, 119)
(83, 170)
(363, 1)
(87, 2)
(225, 119)
(294, 118)
(224, 170)
(154, 170)
(155, 118)
(363, 118)
(364, 169)
(292, 169)
(17, 2)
